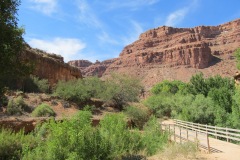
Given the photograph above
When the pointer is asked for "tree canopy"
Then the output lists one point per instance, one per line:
(11, 44)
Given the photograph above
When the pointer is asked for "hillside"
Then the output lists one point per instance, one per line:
(174, 53)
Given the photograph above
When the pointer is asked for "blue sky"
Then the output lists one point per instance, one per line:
(99, 29)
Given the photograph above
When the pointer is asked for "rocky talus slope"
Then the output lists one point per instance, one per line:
(175, 53)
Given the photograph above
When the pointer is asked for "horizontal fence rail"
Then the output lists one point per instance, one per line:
(187, 131)
(217, 132)
(181, 134)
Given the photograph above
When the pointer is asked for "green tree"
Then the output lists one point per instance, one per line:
(237, 55)
(197, 85)
(11, 44)
(120, 89)
(169, 87)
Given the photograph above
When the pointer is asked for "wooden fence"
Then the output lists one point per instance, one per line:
(187, 131)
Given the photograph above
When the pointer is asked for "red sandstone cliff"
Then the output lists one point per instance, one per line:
(92, 69)
(50, 66)
(177, 53)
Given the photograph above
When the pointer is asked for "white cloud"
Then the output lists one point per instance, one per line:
(86, 15)
(177, 16)
(136, 30)
(133, 4)
(105, 38)
(67, 47)
(45, 6)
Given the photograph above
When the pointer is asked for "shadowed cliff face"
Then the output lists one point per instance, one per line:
(165, 50)
(50, 66)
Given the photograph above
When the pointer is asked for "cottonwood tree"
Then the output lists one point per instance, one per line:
(11, 44)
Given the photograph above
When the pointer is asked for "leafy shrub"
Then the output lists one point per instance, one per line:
(237, 55)
(153, 139)
(138, 115)
(3, 100)
(79, 91)
(77, 139)
(90, 108)
(172, 87)
(12, 144)
(161, 105)
(121, 89)
(34, 84)
(43, 110)
(16, 106)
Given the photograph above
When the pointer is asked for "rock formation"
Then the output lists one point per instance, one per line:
(163, 51)
(92, 69)
(50, 66)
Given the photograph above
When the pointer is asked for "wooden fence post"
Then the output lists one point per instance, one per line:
(174, 132)
(180, 135)
(187, 134)
(206, 129)
(209, 151)
(227, 134)
(197, 138)
(216, 132)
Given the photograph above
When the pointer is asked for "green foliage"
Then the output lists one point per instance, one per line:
(16, 106)
(172, 87)
(79, 90)
(236, 109)
(90, 108)
(138, 115)
(202, 110)
(153, 139)
(43, 110)
(34, 84)
(197, 85)
(210, 100)
(12, 68)
(237, 55)
(161, 105)
(77, 139)
(12, 144)
(3, 100)
(121, 89)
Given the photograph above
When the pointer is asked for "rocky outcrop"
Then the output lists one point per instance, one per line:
(166, 52)
(92, 69)
(80, 63)
(50, 66)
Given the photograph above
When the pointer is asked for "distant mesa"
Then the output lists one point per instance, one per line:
(174, 53)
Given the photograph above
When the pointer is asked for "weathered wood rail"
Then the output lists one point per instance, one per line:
(187, 131)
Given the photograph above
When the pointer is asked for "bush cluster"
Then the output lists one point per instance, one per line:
(16, 106)
(210, 100)
(77, 139)
(138, 116)
(34, 84)
(43, 110)
(118, 89)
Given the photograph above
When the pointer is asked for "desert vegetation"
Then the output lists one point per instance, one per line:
(77, 139)
(210, 100)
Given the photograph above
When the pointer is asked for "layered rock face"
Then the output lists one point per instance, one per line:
(50, 66)
(92, 69)
(169, 53)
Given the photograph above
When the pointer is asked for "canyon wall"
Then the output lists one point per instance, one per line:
(50, 66)
(162, 51)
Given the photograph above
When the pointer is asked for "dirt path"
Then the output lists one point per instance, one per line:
(220, 150)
